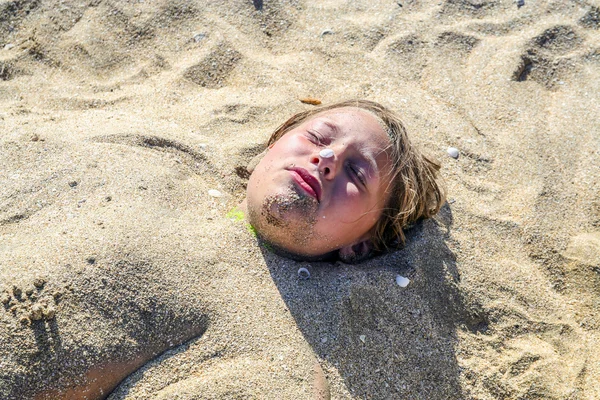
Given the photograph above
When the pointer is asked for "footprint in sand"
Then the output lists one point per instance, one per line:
(550, 57)
(212, 71)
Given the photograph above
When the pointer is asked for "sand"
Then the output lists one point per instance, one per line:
(121, 277)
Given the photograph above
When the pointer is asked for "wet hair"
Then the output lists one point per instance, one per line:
(415, 191)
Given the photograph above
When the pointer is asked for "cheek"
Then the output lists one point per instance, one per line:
(348, 200)
(352, 210)
(287, 144)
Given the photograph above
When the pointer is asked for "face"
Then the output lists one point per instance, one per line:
(308, 201)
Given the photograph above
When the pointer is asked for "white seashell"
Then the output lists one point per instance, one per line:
(214, 193)
(402, 281)
(362, 338)
(453, 152)
(303, 273)
(326, 153)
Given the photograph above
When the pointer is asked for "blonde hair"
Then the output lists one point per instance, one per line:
(415, 191)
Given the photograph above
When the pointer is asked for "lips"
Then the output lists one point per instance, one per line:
(307, 182)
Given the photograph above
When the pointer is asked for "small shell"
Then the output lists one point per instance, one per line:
(326, 32)
(453, 152)
(303, 273)
(326, 153)
(402, 281)
(310, 100)
(362, 338)
(214, 193)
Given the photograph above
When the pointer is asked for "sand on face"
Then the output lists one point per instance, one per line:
(117, 118)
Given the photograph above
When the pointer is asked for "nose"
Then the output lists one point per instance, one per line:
(327, 166)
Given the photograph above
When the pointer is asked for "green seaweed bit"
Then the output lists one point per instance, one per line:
(236, 214)
(252, 230)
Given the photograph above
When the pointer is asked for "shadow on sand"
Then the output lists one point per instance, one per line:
(385, 341)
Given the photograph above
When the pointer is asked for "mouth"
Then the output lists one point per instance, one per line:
(306, 181)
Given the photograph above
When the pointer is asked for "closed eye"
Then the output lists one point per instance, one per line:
(315, 138)
(357, 174)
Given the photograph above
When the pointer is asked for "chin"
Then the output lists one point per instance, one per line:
(295, 254)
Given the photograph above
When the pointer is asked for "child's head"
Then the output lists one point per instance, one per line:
(342, 179)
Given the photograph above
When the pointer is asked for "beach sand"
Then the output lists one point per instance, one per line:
(121, 277)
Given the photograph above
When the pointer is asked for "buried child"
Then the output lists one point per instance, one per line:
(341, 181)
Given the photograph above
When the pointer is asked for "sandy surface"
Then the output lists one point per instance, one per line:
(118, 117)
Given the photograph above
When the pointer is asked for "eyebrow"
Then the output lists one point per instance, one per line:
(329, 123)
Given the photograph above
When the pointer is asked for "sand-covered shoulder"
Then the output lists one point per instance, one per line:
(122, 277)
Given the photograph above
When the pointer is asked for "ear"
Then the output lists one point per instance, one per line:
(357, 252)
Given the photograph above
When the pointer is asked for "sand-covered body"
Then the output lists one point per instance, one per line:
(117, 118)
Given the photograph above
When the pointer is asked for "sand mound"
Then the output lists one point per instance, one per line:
(122, 277)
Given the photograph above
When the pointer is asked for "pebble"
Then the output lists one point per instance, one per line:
(362, 338)
(8, 46)
(520, 3)
(453, 152)
(50, 313)
(303, 273)
(214, 193)
(402, 281)
(39, 282)
(326, 153)
(36, 312)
